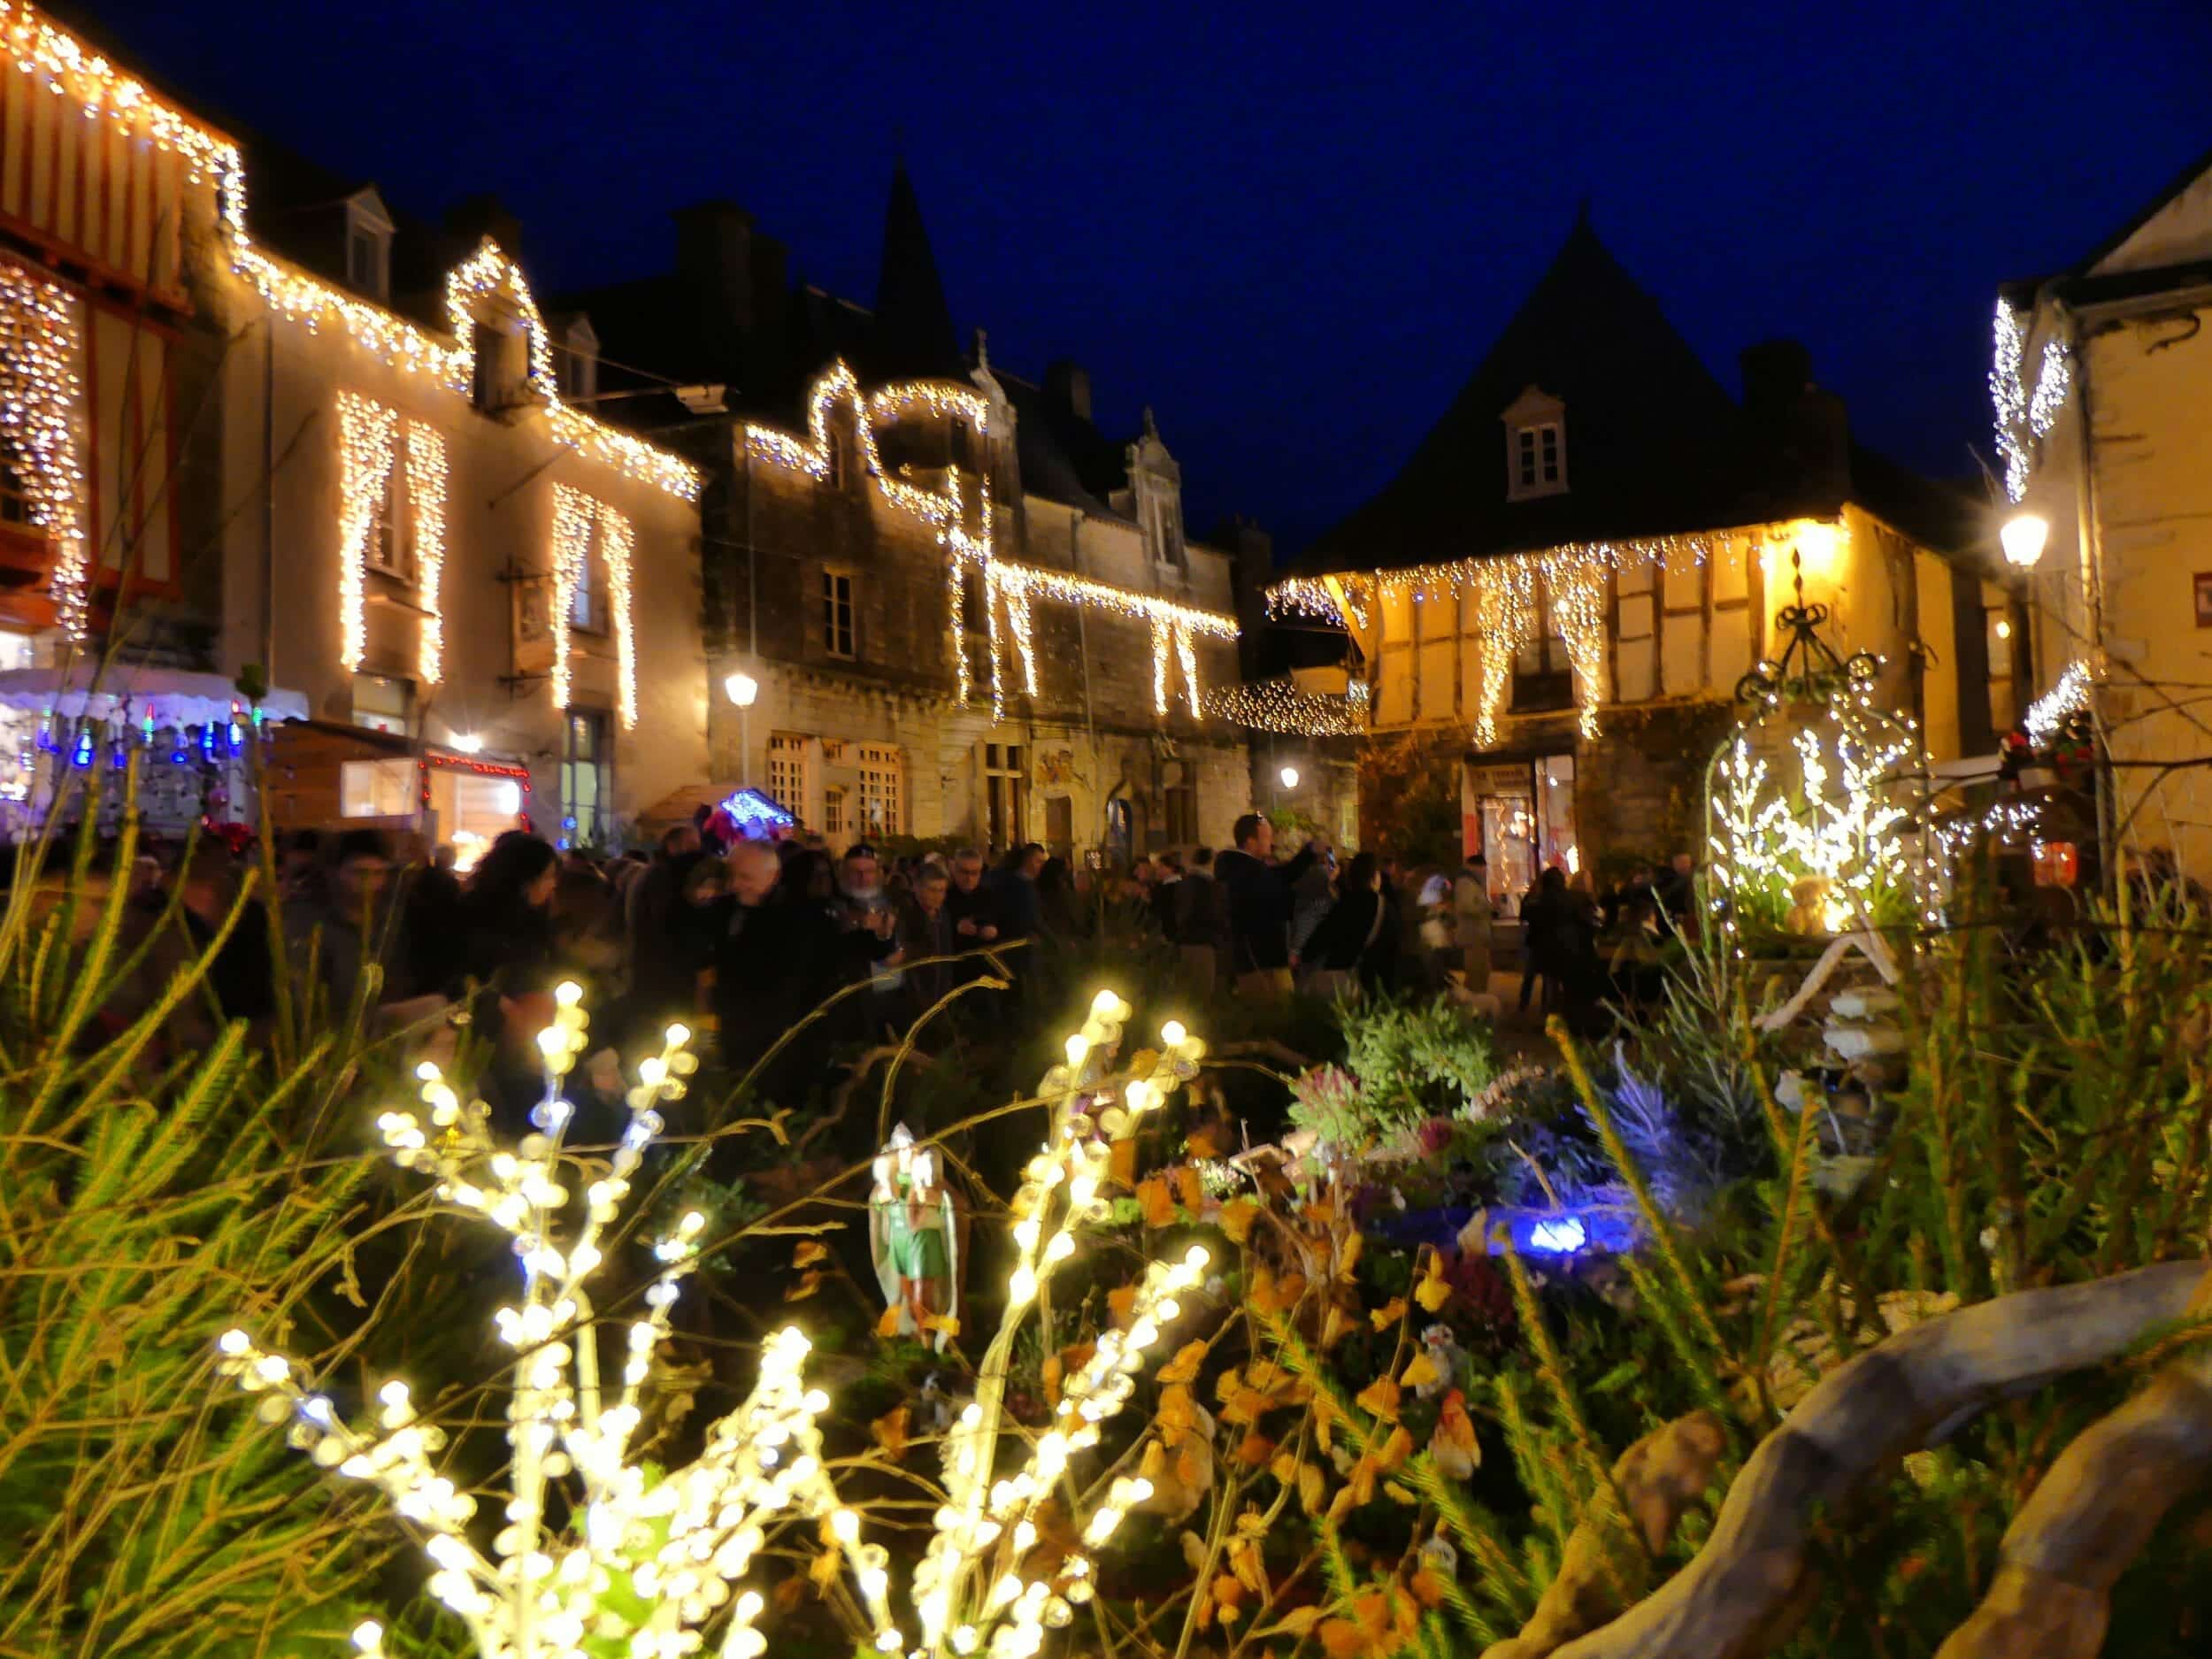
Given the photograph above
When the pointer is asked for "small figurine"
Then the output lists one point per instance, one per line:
(1440, 1557)
(1452, 1447)
(912, 1238)
(1814, 915)
(1443, 1354)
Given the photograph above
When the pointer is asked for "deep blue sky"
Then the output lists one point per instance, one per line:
(1293, 230)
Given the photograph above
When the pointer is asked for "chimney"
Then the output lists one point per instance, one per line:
(1800, 434)
(714, 259)
(474, 218)
(1069, 386)
(1776, 374)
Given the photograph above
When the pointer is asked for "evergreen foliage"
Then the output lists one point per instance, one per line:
(149, 1185)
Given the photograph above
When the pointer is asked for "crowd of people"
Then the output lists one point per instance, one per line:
(751, 938)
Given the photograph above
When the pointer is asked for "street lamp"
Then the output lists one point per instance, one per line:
(743, 690)
(2023, 535)
(1289, 775)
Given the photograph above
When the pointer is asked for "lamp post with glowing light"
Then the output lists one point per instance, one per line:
(2023, 537)
(743, 690)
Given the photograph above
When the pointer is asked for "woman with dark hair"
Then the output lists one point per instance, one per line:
(1356, 941)
(506, 913)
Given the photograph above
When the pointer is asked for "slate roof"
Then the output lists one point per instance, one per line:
(1654, 444)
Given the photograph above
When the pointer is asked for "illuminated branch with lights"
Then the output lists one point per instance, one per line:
(2065, 703)
(2023, 418)
(41, 415)
(652, 1564)
(679, 1544)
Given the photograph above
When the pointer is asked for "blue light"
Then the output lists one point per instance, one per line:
(756, 814)
(1563, 1237)
(82, 756)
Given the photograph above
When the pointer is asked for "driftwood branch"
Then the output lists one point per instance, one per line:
(1659, 1478)
(1747, 1585)
(2091, 1516)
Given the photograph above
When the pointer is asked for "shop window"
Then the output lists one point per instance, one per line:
(378, 789)
(586, 777)
(383, 704)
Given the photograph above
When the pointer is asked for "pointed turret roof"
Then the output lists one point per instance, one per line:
(912, 336)
(1652, 439)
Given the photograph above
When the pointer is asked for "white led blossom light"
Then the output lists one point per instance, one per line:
(2023, 418)
(680, 1544)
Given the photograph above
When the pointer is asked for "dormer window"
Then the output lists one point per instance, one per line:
(1535, 446)
(369, 247)
(579, 360)
(501, 365)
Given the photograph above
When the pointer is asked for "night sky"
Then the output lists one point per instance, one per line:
(1293, 231)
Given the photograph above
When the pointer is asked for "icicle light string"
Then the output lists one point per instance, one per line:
(1006, 585)
(41, 415)
(1574, 578)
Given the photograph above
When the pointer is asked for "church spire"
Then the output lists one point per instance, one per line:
(912, 337)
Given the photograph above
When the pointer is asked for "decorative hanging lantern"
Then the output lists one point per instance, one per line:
(1811, 801)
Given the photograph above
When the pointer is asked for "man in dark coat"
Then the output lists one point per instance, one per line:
(1258, 891)
(778, 957)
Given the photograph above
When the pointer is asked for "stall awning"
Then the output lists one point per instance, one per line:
(172, 696)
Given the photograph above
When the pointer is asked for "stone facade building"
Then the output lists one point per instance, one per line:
(2100, 376)
(1555, 598)
(962, 611)
(341, 484)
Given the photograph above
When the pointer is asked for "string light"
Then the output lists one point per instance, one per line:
(426, 509)
(615, 544)
(365, 432)
(42, 413)
(2050, 714)
(1006, 585)
(1572, 576)
(103, 92)
(2023, 418)
(573, 514)
(1279, 705)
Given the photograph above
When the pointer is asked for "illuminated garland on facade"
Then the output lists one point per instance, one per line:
(2023, 418)
(103, 92)
(367, 432)
(575, 515)
(1279, 705)
(425, 507)
(573, 512)
(41, 415)
(1572, 576)
(1006, 585)
(615, 544)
